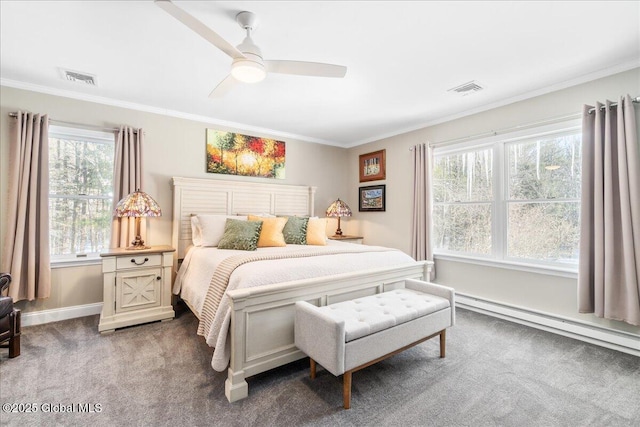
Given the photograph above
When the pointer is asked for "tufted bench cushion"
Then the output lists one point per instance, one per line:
(368, 315)
(350, 335)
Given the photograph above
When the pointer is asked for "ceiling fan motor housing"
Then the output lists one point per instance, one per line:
(249, 69)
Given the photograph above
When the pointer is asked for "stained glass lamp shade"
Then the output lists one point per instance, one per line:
(137, 204)
(338, 209)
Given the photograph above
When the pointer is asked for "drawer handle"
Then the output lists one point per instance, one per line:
(133, 260)
(158, 278)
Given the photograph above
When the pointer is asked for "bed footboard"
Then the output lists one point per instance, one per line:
(261, 331)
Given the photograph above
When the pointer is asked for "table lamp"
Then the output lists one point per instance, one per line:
(137, 204)
(338, 209)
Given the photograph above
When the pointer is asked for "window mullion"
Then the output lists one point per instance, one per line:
(498, 215)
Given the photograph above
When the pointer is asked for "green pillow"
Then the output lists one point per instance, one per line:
(240, 235)
(295, 230)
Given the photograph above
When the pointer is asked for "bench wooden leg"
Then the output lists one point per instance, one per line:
(313, 369)
(443, 342)
(346, 389)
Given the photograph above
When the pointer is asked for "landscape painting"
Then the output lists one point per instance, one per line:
(372, 198)
(237, 154)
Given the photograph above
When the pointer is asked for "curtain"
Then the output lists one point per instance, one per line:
(26, 244)
(420, 224)
(609, 272)
(127, 178)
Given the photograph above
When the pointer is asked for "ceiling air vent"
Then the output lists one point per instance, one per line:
(78, 77)
(467, 88)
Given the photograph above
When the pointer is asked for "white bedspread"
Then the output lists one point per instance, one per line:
(200, 263)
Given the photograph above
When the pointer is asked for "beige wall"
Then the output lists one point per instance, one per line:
(551, 294)
(173, 147)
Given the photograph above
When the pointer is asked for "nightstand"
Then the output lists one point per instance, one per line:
(345, 238)
(137, 287)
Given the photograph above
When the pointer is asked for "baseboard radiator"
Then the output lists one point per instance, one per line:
(617, 340)
(605, 337)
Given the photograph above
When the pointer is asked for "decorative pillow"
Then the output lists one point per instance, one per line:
(295, 230)
(317, 231)
(210, 228)
(271, 234)
(240, 235)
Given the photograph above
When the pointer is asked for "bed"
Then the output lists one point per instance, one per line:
(250, 324)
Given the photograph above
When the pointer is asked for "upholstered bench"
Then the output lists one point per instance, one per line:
(347, 336)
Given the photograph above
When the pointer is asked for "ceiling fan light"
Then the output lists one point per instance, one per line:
(248, 71)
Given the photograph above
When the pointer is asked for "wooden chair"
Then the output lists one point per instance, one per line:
(9, 319)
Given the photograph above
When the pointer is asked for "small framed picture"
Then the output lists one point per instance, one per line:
(372, 166)
(372, 199)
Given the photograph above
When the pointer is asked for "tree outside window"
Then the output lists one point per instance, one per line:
(514, 200)
(80, 191)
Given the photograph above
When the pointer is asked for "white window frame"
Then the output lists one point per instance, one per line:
(99, 137)
(499, 225)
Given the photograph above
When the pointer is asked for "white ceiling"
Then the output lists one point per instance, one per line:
(402, 57)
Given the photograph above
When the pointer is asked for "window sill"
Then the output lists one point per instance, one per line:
(75, 262)
(549, 270)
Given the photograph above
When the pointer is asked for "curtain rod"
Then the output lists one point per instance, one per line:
(80, 125)
(509, 129)
(635, 100)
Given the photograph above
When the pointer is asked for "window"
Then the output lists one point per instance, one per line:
(80, 191)
(463, 198)
(514, 199)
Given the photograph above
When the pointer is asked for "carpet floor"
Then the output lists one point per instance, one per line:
(496, 373)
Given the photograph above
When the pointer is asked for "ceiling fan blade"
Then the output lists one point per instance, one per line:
(223, 87)
(197, 26)
(305, 68)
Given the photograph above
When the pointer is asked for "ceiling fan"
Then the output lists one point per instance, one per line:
(248, 66)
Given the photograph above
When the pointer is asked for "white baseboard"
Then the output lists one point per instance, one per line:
(605, 337)
(57, 314)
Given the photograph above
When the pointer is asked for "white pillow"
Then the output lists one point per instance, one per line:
(196, 234)
(207, 230)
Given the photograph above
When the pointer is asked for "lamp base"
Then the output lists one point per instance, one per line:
(137, 244)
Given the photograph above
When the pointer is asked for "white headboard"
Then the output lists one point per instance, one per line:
(214, 196)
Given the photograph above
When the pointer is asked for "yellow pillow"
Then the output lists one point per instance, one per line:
(271, 233)
(317, 231)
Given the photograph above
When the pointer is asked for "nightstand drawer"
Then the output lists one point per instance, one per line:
(133, 261)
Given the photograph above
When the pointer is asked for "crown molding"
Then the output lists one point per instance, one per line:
(620, 68)
(260, 130)
(161, 111)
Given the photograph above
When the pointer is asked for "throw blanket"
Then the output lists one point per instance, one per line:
(220, 279)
